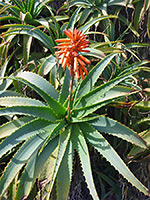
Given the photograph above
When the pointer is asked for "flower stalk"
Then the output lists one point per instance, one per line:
(69, 55)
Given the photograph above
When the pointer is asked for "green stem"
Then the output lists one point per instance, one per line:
(70, 99)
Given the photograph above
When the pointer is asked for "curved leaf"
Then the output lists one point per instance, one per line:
(11, 8)
(108, 98)
(20, 158)
(33, 168)
(7, 82)
(64, 174)
(143, 105)
(30, 31)
(110, 126)
(79, 2)
(88, 83)
(73, 19)
(136, 150)
(43, 88)
(27, 40)
(19, 101)
(91, 97)
(35, 111)
(125, 21)
(9, 127)
(47, 65)
(134, 66)
(29, 129)
(95, 53)
(63, 143)
(86, 27)
(80, 145)
(6, 17)
(41, 85)
(84, 15)
(104, 148)
(39, 5)
(9, 93)
(64, 93)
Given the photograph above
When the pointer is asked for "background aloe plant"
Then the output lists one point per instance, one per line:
(126, 103)
(44, 136)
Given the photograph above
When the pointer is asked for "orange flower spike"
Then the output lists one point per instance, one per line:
(75, 54)
(60, 52)
(65, 60)
(80, 34)
(85, 42)
(70, 49)
(81, 72)
(77, 73)
(62, 59)
(63, 40)
(76, 68)
(71, 70)
(68, 33)
(62, 56)
(75, 63)
(84, 50)
(85, 70)
(81, 62)
(75, 35)
(84, 59)
(64, 44)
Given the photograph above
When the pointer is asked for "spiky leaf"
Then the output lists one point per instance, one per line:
(9, 127)
(45, 89)
(20, 158)
(20, 101)
(88, 83)
(35, 111)
(33, 168)
(34, 127)
(104, 148)
(65, 173)
(63, 142)
(110, 126)
(80, 145)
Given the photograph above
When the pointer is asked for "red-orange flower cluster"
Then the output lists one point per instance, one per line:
(69, 53)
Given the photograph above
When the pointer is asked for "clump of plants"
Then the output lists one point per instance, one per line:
(48, 122)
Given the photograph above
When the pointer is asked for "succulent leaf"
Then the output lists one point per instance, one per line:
(65, 173)
(63, 143)
(29, 129)
(20, 158)
(88, 83)
(79, 143)
(11, 126)
(104, 148)
(110, 126)
(35, 111)
(33, 168)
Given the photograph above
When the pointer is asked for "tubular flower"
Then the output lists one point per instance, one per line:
(69, 52)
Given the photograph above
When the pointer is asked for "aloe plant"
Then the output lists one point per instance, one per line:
(46, 136)
(91, 9)
(22, 11)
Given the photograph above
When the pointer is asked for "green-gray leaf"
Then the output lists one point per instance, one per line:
(110, 126)
(80, 145)
(33, 168)
(29, 129)
(36, 111)
(20, 158)
(104, 148)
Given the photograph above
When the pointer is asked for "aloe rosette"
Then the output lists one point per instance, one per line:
(47, 135)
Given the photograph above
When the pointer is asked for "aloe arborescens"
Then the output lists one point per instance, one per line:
(48, 138)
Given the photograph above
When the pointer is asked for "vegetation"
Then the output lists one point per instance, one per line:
(74, 99)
